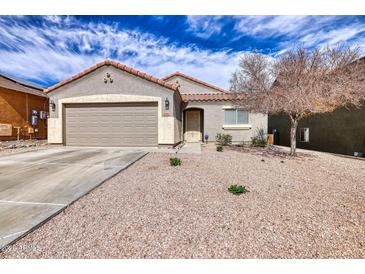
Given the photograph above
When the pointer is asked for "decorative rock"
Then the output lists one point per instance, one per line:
(152, 210)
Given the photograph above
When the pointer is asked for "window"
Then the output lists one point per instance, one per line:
(235, 117)
(304, 135)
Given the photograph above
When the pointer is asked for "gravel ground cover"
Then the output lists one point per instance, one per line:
(312, 206)
(9, 147)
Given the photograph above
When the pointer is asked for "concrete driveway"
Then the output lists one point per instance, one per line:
(36, 185)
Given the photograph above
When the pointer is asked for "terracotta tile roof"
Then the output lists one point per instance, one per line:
(229, 96)
(130, 70)
(178, 73)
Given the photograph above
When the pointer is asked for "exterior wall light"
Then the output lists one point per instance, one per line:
(52, 105)
(167, 104)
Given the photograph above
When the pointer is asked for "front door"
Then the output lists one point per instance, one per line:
(192, 133)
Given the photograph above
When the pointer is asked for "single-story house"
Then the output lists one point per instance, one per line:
(111, 104)
(23, 109)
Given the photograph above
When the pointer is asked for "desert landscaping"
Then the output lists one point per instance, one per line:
(309, 206)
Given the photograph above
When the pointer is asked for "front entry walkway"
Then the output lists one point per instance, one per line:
(194, 148)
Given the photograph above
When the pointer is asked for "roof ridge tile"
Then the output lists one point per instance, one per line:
(229, 96)
(117, 65)
(178, 73)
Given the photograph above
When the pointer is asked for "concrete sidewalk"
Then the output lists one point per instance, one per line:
(36, 185)
(191, 148)
(188, 148)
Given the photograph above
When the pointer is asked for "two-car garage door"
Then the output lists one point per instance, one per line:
(111, 125)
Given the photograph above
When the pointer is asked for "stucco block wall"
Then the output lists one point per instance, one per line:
(124, 88)
(214, 121)
(16, 108)
(190, 87)
(342, 131)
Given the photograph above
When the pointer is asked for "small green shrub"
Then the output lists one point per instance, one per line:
(223, 139)
(237, 189)
(175, 161)
(259, 140)
(220, 148)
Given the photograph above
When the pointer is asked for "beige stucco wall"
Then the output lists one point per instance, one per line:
(125, 88)
(190, 87)
(214, 121)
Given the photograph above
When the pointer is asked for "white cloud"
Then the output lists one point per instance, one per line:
(270, 26)
(288, 25)
(204, 26)
(259, 26)
(58, 47)
(332, 37)
(309, 31)
(53, 52)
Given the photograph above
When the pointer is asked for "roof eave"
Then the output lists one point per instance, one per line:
(118, 66)
(178, 73)
(22, 84)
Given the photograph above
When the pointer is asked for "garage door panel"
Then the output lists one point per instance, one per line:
(111, 125)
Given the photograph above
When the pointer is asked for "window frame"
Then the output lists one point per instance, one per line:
(236, 117)
(306, 137)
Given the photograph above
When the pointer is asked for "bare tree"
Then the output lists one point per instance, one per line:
(301, 83)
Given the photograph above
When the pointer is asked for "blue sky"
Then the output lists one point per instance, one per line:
(48, 49)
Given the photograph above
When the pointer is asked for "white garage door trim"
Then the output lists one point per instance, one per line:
(165, 124)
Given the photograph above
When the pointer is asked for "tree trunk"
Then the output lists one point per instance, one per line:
(293, 135)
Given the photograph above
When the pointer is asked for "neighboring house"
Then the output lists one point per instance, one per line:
(111, 104)
(19, 101)
(341, 131)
